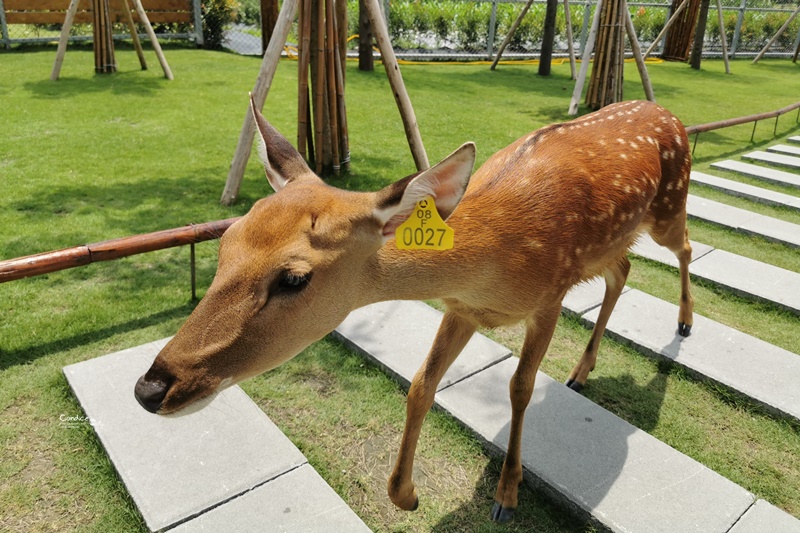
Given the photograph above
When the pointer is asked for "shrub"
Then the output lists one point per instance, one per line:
(216, 15)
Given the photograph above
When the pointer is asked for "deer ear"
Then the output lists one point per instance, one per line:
(445, 182)
(281, 161)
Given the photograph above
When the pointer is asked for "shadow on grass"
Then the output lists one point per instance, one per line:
(27, 354)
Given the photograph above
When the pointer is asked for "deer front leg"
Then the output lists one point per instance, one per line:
(615, 277)
(453, 334)
(537, 339)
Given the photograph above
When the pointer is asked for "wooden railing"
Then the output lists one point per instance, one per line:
(700, 128)
(35, 265)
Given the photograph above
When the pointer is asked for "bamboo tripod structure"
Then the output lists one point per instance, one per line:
(103, 42)
(607, 75)
(266, 74)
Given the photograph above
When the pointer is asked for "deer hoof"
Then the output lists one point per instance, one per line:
(684, 330)
(574, 385)
(502, 514)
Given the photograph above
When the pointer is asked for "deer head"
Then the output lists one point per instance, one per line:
(290, 271)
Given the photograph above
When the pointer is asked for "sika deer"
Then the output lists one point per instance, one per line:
(557, 207)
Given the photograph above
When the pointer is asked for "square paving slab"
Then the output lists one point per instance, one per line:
(756, 369)
(763, 517)
(750, 278)
(597, 462)
(178, 467)
(298, 501)
(398, 334)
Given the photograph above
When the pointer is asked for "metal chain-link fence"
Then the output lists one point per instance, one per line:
(459, 29)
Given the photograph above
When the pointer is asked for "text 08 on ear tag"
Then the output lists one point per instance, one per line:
(424, 229)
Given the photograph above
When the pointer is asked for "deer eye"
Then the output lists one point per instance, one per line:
(292, 283)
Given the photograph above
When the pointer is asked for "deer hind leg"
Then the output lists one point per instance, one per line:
(615, 276)
(537, 339)
(453, 334)
(675, 237)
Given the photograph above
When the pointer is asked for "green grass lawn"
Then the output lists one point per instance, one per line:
(90, 158)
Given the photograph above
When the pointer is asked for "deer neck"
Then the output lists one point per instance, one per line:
(414, 275)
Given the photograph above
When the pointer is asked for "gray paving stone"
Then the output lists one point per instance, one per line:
(750, 278)
(780, 160)
(177, 467)
(648, 248)
(596, 462)
(795, 139)
(583, 297)
(785, 149)
(756, 194)
(298, 501)
(398, 334)
(763, 517)
(763, 173)
(756, 369)
(769, 228)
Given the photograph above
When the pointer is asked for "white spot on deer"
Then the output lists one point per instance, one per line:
(621, 141)
(679, 185)
(650, 140)
(678, 140)
(624, 156)
(562, 131)
(659, 130)
(634, 145)
(601, 142)
(670, 186)
(627, 189)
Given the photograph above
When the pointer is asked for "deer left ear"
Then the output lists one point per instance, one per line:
(445, 182)
(281, 161)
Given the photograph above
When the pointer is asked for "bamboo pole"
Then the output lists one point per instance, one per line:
(344, 136)
(102, 38)
(723, 38)
(587, 55)
(332, 60)
(511, 31)
(137, 44)
(396, 82)
(637, 55)
(780, 31)
(304, 56)
(263, 83)
(570, 44)
(150, 33)
(666, 27)
(62, 41)
(319, 85)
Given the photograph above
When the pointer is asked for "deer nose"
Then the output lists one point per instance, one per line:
(150, 393)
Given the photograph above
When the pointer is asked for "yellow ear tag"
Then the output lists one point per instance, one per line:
(424, 229)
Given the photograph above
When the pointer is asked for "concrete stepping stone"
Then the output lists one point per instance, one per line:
(750, 278)
(766, 374)
(780, 160)
(176, 468)
(771, 175)
(299, 500)
(785, 149)
(772, 229)
(595, 462)
(743, 190)
(648, 248)
(795, 139)
(764, 517)
(397, 335)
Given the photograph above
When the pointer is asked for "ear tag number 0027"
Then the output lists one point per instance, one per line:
(424, 229)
